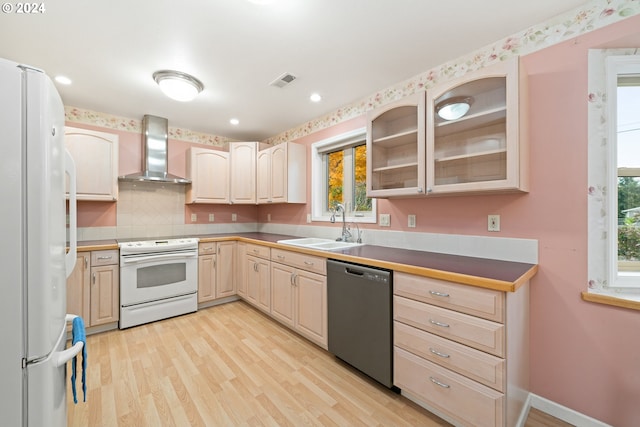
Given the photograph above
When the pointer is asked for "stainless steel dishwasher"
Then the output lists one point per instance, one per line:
(360, 324)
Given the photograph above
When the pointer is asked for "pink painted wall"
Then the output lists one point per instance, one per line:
(584, 356)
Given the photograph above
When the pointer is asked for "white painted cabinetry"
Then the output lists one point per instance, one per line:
(242, 156)
(461, 351)
(96, 159)
(282, 174)
(208, 171)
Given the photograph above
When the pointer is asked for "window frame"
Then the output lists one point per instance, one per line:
(602, 198)
(319, 177)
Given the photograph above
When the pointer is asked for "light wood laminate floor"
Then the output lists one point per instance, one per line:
(230, 365)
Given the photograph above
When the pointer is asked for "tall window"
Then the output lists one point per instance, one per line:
(339, 173)
(623, 76)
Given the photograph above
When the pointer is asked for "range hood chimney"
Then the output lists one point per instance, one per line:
(155, 143)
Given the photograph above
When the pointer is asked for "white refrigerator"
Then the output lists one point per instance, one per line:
(33, 263)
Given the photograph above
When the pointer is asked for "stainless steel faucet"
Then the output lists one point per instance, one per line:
(346, 234)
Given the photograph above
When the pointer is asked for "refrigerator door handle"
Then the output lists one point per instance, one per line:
(70, 169)
(62, 357)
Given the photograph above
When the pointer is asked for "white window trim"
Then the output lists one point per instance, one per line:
(319, 178)
(603, 277)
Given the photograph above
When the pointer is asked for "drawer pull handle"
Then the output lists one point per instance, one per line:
(441, 384)
(308, 263)
(104, 257)
(280, 256)
(439, 294)
(435, 322)
(437, 353)
(255, 251)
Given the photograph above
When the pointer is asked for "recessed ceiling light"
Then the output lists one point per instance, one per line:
(315, 97)
(63, 80)
(178, 85)
(234, 122)
(261, 2)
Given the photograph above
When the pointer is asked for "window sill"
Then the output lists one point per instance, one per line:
(630, 302)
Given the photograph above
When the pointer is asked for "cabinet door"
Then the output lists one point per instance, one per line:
(208, 171)
(243, 172)
(78, 288)
(96, 158)
(264, 285)
(206, 278)
(225, 281)
(253, 278)
(311, 307)
(279, 173)
(485, 149)
(264, 176)
(105, 294)
(241, 269)
(282, 293)
(396, 148)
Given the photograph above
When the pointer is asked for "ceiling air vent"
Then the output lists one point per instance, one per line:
(283, 80)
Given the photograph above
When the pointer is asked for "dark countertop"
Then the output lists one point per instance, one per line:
(483, 272)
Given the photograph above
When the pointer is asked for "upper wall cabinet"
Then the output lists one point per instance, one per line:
(208, 171)
(96, 158)
(396, 148)
(243, 172)
(282, 174)
(485, 149)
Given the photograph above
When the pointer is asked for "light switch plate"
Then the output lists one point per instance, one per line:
(411, 221)
(194, 217)
(385, 220)
(211, 217)
(268, 217)
(234, 217)
(308, 218)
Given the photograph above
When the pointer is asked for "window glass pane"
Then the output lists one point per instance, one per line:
(361, 202)
(335, 174)
(628, 147)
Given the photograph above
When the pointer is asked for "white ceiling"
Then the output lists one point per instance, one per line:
(343, 49)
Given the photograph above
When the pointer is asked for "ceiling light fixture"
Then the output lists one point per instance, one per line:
(178, 85)
(234, 121)
(315, 97)
(454, 108)
(63, 80)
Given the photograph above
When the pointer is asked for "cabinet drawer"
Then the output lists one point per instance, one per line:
(467, 401)
(478, 333)
(306, 262)
(258, 250)
(109, 257)
(485, 303)
(475, 364)
(206, 248)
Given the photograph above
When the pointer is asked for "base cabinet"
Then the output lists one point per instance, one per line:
(461, 351)
(257, 270)
(298, 295)
(216, 271)
(93, 288)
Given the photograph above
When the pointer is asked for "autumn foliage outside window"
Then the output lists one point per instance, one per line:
(338, 183)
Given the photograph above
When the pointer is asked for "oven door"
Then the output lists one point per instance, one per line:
(152, 277)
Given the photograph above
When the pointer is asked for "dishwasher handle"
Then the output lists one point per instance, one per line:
(353, 271)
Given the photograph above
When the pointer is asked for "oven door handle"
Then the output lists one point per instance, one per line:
(156, 257)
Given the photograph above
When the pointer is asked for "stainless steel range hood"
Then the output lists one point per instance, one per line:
(155, 143)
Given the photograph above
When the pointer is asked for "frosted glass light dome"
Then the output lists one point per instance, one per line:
(177, 85)
(454, 108)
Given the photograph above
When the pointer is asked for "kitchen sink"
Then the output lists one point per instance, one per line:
(319, 243)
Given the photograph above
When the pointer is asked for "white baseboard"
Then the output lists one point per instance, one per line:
(561, 412)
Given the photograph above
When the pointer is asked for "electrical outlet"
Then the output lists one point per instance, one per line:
(234, 217)
(308, 218)
(493, 223)
(411, 221)
(385, 220)
(194, 217)
(211, 217)
(268, 217)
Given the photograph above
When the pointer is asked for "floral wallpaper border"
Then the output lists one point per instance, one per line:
(591, 16)
(79, 115)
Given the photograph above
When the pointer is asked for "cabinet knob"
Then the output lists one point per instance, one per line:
(429, 190)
